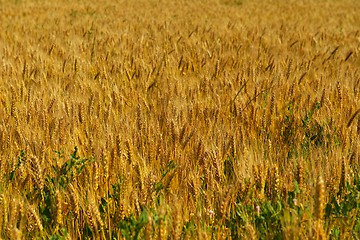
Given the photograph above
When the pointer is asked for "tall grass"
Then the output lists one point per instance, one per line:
(179, 119)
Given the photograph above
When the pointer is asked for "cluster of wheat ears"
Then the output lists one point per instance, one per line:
(182, 119)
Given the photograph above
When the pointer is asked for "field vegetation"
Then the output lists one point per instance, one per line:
(218, 119)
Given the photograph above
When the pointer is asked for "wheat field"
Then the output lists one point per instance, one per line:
(145, 119)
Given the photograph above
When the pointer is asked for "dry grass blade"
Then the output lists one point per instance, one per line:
(352, 118)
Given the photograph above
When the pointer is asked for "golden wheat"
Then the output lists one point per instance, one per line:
(182, 112)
